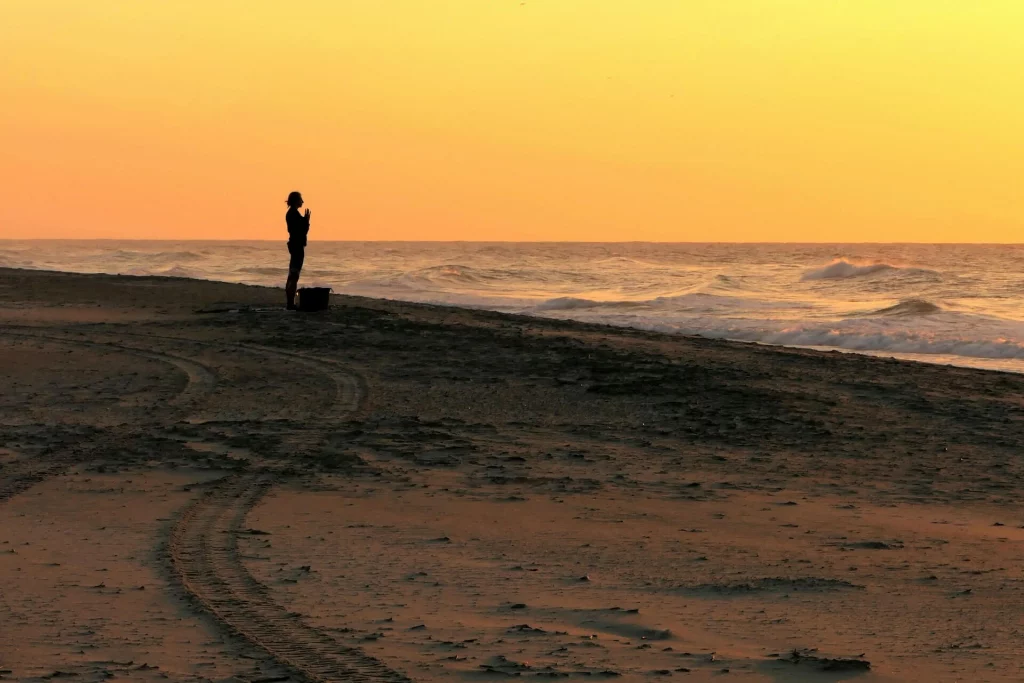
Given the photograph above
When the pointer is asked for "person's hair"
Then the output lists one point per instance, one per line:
(293, 198)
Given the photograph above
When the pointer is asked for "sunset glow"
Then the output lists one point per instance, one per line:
(682, 120)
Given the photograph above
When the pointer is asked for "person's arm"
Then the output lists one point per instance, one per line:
(306, 218)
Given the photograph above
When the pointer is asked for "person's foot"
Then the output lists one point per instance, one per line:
(292, 307)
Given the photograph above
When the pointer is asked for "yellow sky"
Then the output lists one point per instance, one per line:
(676, 120)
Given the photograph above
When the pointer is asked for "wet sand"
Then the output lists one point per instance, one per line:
(198, 485)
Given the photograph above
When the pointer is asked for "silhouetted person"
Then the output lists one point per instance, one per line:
(298, 228)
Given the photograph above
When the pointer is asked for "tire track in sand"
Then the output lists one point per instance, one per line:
(203, 544)
(204, 553)
(200, 380)
(347, 384)
(21, 475)
(347, 399)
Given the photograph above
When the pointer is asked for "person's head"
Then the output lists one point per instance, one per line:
(295, 200)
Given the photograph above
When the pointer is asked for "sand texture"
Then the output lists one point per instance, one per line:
(197, 485)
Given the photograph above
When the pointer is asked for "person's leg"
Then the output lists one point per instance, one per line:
(291, 286)
(298, 255)
(292, 283)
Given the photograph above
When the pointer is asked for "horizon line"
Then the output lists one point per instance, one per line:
(737, 242)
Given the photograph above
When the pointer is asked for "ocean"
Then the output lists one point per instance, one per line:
(952, 304)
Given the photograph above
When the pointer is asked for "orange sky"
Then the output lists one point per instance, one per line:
(675, 120)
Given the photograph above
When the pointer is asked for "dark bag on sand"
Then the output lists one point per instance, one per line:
(314, 298)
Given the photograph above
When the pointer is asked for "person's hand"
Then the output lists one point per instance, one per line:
(307, 214)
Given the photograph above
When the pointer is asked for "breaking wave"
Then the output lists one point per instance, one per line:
(569, 303)
(841, 269)
(156, 257)
(908, 308)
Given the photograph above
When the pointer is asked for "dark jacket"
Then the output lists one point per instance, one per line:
(298, 227)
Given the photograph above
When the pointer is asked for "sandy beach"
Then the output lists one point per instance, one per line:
(197, 485)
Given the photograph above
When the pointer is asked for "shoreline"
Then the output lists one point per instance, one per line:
(425, 492)
(943, 360)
